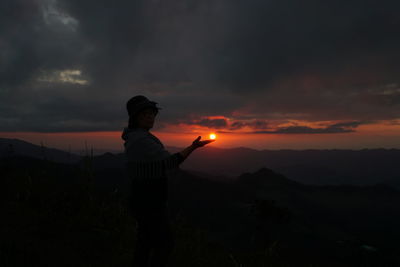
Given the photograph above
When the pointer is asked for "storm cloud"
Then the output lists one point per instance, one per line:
(70, 65)
(345, 127)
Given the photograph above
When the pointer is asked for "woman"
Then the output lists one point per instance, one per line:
(147, 162)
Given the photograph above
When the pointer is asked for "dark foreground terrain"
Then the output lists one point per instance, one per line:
(56, 214)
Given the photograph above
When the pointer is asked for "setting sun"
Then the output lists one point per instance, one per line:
(213, 136)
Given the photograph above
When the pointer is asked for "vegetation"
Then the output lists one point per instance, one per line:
(50, 223)
(53, 215)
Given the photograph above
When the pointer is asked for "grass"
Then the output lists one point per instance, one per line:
(47, 222)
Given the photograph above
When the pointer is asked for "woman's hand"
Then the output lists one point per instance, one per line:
(197, 143)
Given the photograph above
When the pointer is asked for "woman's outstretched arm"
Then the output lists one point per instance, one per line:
(161, 159)
(196, 144)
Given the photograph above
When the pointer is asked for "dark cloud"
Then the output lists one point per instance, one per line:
(270, 41)
(345, 127)
(351, 124)
(222, 123)
(213, 123)
(262, 60)
(62, 115)
(258, 124)
(254, 124)
(32, 38)
(18, 58)
(210, 123)
(237, 125)
(342, 127)
(309, 130)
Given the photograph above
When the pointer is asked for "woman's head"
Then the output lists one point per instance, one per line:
(142, 112)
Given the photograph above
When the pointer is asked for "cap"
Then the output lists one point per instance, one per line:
(138, 103)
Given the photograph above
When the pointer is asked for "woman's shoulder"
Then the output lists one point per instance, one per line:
(152, 136)
(141, 140)
(134, 134)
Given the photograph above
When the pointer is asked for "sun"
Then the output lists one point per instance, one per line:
(213, 136)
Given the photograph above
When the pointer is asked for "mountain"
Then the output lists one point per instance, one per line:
(13, 147)
(329, 219)
(318, 167)
(265, 177)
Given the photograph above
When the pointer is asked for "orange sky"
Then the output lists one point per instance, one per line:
(366, 136)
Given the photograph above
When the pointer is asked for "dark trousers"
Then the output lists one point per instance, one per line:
(154, 240)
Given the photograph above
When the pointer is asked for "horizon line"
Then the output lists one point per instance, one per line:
(112, 150)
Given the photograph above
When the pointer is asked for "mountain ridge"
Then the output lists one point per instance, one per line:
(311, 166)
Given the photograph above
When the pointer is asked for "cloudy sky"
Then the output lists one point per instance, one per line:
(262, 74)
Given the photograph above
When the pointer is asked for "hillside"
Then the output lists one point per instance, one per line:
(12, 147)
(314, 167)
(299, 224)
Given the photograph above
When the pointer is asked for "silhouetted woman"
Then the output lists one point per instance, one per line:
(147, 163)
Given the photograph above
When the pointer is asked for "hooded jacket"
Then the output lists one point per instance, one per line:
(147, 163)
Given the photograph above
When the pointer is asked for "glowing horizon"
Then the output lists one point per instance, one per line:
(366, 136)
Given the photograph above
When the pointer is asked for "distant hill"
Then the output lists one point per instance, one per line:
(318, 167)
(12, 147)
(320, 217)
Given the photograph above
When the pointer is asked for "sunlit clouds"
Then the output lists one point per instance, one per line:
(62, 76)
